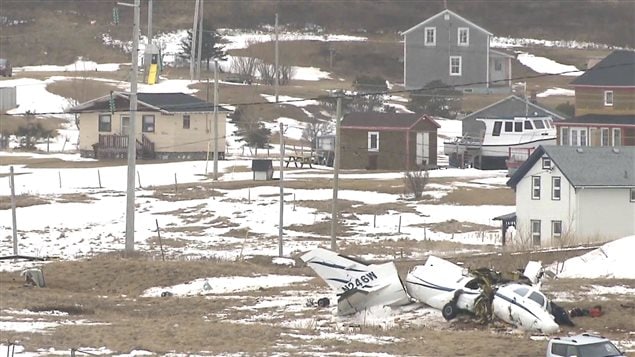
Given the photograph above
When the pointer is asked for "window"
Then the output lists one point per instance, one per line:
(535, 187)
(564, 136)
(535, 231)
(464, 36)
(539, 124)
(556, 187)
(105, 122)
(632, 194)
(604, 137)
(430, 34)
(538, 298)
(528, 125)
(546, 163)
(559, 349)
(556, 229)
(608, 98)
(373, 141)
(583, 141)
(521, 291)
(518, 126)
(455, 65)
(509, 126)
(574, 137)
(148, 124)
(617, 137)
(186, 121)
(498, 65)
(497, 128)
(125, 124)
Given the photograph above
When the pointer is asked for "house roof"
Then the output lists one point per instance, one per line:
(446, 11)
(261, 165)
(500, 53)
(615, 70)
(161, 102)
(386, 121)
(586, 166)
(601, 119)
(511, 107)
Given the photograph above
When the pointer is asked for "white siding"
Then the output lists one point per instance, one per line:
(587, 214)
(605, 214)
(545, 209)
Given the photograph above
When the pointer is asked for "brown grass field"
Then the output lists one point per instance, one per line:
(105, 289)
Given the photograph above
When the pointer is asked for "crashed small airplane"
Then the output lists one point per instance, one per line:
(450, 288)
(442, 285)
(358, 285)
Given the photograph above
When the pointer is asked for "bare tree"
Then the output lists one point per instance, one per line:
(316, 128)
(416, 181)
(245, 68)
(268, 73)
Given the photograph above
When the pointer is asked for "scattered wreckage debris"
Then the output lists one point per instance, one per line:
(483, 293)
(595, 311)
(321, 302)
(33, 277)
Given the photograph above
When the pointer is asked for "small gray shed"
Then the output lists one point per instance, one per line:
(262, 169)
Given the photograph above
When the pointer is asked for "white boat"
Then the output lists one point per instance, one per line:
(500, 138)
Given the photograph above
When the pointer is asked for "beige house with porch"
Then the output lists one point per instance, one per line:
(167, 125)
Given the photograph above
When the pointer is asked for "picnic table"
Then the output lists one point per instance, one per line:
(300, 159)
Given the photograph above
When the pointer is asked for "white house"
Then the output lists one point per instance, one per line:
(567, 195)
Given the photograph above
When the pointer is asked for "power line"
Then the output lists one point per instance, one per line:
(416, 91)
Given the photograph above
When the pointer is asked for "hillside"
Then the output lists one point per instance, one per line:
(56, 32)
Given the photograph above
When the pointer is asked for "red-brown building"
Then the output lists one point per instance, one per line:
(388, 141)
(604, 104)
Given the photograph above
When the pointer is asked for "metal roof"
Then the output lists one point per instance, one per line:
(601, 119)
(163, 102)
(586, 166)
(617, 69)
(446, 11)
(384, 120)
(511, 107)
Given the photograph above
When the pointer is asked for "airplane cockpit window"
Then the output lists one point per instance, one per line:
(538, 298)
(539, 124)
(522, 291)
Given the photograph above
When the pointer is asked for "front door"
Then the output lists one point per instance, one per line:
(125, 124)
(423, 148)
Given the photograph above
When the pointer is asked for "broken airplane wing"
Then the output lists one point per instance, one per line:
(358, 285)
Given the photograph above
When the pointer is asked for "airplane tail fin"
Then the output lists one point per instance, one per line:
(533, 271)
(335, 269)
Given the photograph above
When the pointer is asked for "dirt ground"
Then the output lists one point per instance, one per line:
(106, 290)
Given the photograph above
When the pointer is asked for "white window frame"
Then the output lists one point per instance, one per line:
(546, 163)
(619, 132)
(434, 36)
(555, 235)
(584, 133)
(608, 98)
(632, 194)
(376, 135)
(187, 119)
(603, 141)
(535, 187)
(460, 65)
(104, 120)
(535, 235)
(467, 36)
(565, 140)
(556, 188)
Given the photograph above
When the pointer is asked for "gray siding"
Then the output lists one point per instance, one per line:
(424, 64)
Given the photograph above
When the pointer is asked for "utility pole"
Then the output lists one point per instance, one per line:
(132, 152)
(149, 22)
(336, 172)
(277, 71)
(280, 224)
(215, 119)
(13, 215)
(193, 44)
(200, 42)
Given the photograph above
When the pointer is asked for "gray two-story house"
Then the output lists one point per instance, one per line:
(454, 50)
